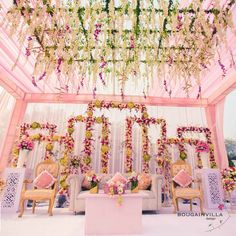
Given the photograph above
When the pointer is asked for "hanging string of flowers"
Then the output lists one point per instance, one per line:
(177, 43)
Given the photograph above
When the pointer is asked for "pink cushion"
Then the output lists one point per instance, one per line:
(144, 181)
(44, 180)
(118, 177)
(183, 178)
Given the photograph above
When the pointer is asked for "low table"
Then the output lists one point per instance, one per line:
(104, 216)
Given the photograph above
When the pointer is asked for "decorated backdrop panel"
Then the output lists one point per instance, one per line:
(59, 114)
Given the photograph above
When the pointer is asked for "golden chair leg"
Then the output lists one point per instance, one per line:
(191, 205)
(201, 205)
(33, 206)
(174, 204)
(177, 204)
(22, 205)
(51, 203)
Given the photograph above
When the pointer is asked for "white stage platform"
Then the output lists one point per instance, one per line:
(64, 223)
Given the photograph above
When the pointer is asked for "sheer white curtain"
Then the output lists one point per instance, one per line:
(7, 103)
(59, 114)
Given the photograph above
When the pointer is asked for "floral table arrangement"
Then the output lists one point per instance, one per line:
(115, 188)
(26, 143)
(229, 185)
(133, 179)
(93, 180)
(229, 179)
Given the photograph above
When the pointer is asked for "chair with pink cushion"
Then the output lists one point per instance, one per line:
(45, 186)
(182, 185)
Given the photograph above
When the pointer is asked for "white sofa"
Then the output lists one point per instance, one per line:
(151, 199)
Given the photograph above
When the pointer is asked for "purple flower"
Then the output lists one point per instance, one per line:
(199, 92)
(42, 76)
(34, 82)
(97, 31)
(132, 44)
(59, 61)
(101, 78)
(94, 92)
(122, 94)
(27, 52)
(222, 68)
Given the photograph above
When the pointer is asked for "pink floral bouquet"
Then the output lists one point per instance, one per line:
(229, 179)
(113, 188)
(26, 143)
(93, 179)
(202, 147)
(133, 179)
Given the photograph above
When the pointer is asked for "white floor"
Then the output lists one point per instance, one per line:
(64, 223)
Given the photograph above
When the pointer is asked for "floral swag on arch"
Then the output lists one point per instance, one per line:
(69, 162)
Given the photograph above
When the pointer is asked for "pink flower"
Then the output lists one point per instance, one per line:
(221, 206)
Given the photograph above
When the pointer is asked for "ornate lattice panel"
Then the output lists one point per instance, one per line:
(212, 188)
(9, 197)
(14, 180)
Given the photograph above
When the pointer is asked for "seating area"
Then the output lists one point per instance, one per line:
(117, 117)
(151, 200)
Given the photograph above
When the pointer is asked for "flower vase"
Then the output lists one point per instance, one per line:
(204, 159)
(134, 187)
(94, 190)
(22, 158)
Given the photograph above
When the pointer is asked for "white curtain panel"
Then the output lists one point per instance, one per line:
(7, 103)
(59, 114)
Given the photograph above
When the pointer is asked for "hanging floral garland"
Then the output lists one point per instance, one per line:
(165, 38)
(97, 104)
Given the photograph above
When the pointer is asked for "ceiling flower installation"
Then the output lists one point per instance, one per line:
(99, 41)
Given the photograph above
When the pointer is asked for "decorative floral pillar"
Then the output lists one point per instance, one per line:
(145, 149)
(128, 146)
(105, 148)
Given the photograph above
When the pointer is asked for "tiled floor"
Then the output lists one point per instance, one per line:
(64, 223)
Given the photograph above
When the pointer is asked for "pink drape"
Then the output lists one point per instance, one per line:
(215, 120)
